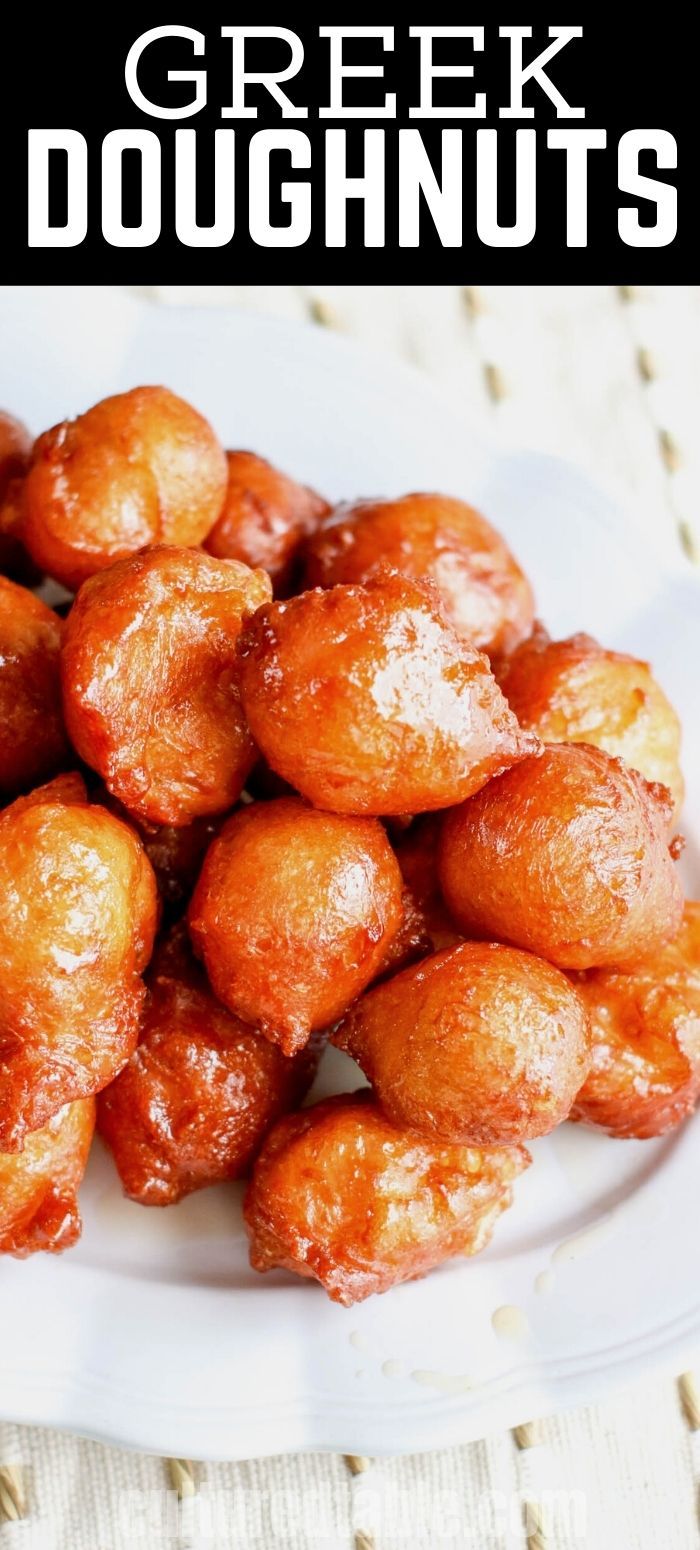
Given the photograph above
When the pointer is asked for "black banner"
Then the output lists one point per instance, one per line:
(396, 151)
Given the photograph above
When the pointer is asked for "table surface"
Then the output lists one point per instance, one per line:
(609, 378)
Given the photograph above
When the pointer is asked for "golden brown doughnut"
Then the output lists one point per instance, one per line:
(150, 686)
(264, 519)
(479, 1044)
(33, 743)
(342, 1195)
(366, 700)
(15, 448)
(645, 1076)
(140, 468)
(573, 691)
(485, 594)
(567, 856)
(427, 926)
(76, 929)
(293, 914)
(200, 1091)
(38, 1187)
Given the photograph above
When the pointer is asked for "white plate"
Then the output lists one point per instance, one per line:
(154, 1332)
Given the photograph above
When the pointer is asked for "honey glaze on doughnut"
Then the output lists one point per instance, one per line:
(76, 930)
(567, 856)
(366, 701)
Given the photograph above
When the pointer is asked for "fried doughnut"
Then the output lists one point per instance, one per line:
(140, 468)
(265, 517)
(38, 1187)
(645, 1076)
(15, 447)
(176, 855)
(484, 593)
(480, 1044)
(32, 739)
(263, 785)
(200, 1091)
(427, 926)
(76, 929)
(366, 701)
(342, 1195)
(567, 856)
(573, 691)
(293, 914)
(149, 681)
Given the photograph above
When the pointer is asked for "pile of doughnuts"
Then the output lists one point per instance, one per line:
(277, 773)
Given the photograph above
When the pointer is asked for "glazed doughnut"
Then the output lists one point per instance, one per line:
(76, 929)
(200, 1091)
(15, 448)
(485, 594)
(264, 519)
(366, 700)
(38, 1186)
(479, 1044)
(176, 855)
(293, 914)
(33, 743)
(140, 468)
(342, 1195)
(149, 677)
(573, 691)
(645, 1075)
(427, 926)
(567, 856)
